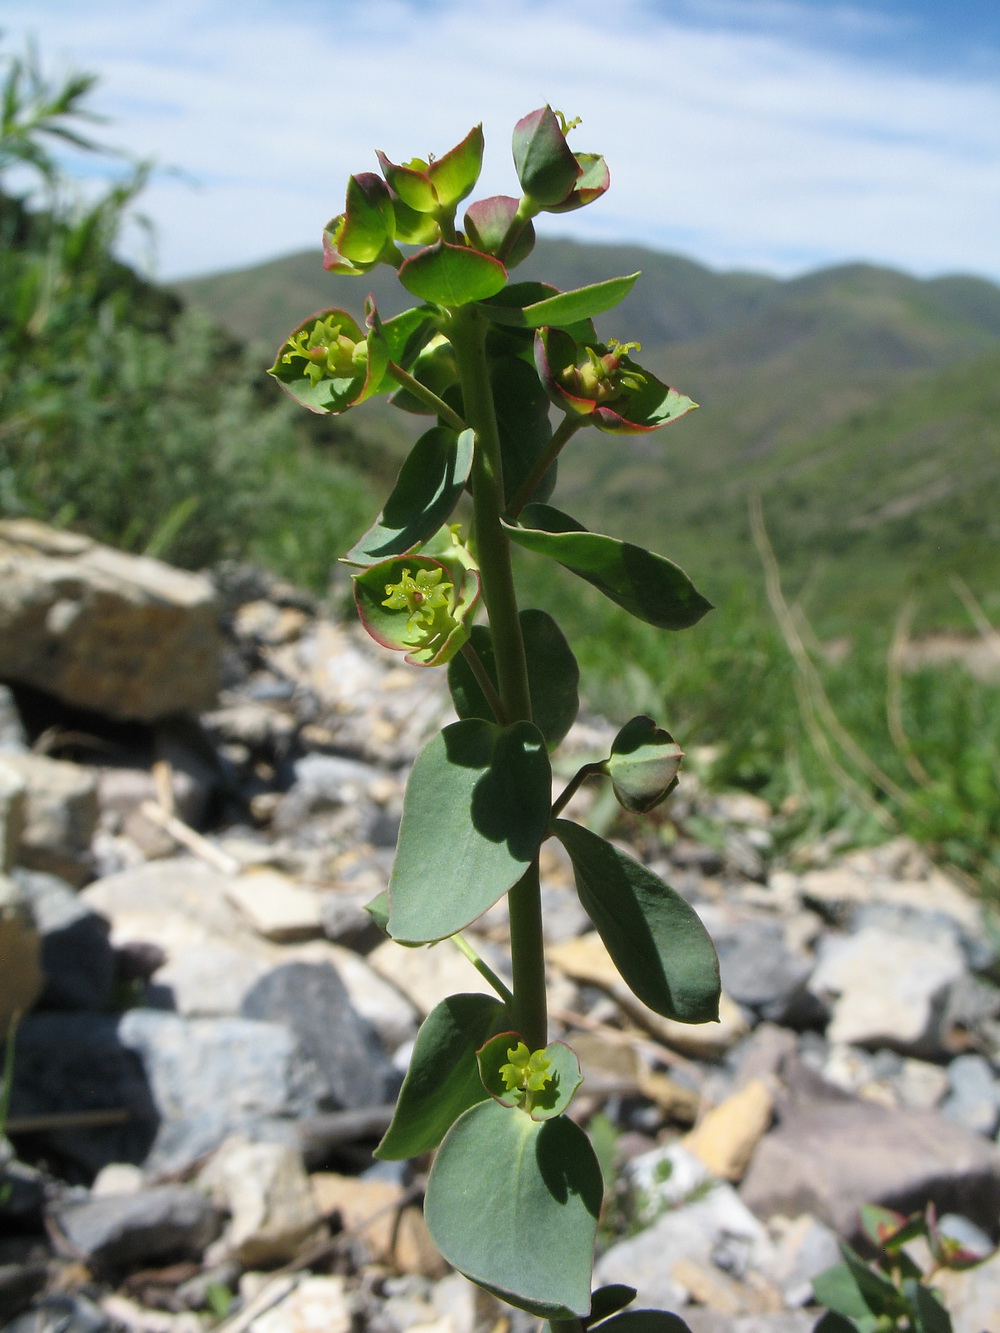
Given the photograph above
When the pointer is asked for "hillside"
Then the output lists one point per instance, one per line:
(860, 400)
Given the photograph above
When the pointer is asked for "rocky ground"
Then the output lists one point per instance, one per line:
(200, 788)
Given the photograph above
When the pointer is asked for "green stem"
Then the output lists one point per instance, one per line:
(467, 333)
(562, 434)
(574, 785)
(426, 395)
(485, 682)
(482, 967)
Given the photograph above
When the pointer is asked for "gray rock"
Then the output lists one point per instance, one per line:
(12, 733)
(346, 922)
(885, 989)
(265, 1190)
(119, 634)
(71, 1062)
(803, 1249)
(60, 815)
(312, 1002)
(829, 1157)
(213, 1077)
(62, 1313)
(973, 1099)
(22, 1190)
(778, 1321)
(77, 957)
(762, 973)
(689, 1216)
(158, 1224)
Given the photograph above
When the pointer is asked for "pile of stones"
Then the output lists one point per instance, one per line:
(201, 782)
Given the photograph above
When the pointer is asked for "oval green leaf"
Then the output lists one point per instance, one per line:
(606, 1301)
(545, 164)
(645, 1321)
(563, 309)
(643, 765)
(553, 676)
(426, 491)
(443, 1078)
(475, 812)
(656, 939)
(452, 275)
(648, 586)
(513, 1204)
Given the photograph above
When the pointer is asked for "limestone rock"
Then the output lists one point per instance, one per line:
(690, 1217)
(886, 989)
(830, 1157)
(265, 1189)
(60, 815)
(372, 997)
(12, 733)
(123, 635)
(21, 978)
(276, 906)
(427, 976)
(315, 1305)
(726, 1137)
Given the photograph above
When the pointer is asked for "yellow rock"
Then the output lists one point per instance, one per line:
(727, 1136)
(369, 1209)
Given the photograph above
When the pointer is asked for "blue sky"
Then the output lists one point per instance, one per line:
(777, 135)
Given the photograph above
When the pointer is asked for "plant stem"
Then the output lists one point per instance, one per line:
(467, 333)
(482, 967)
(575, 783)
(485, 682)
(427, 396)
(562, 434)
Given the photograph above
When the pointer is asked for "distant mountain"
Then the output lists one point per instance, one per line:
(861, 402)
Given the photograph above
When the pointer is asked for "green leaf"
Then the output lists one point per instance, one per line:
(854, 1290)
(513, 1203)
(834, 1323)
(883, 1226)
(648, 586)
(609, 1300)
(546, 165)
(656, 939)
(522, 410)
(452, 275)
(369, 222)
(443, 1078)
(645, 1321)
(475, 812)
(426, 491)
(932, 1317)
(563, 1072)
(562, 310)
(643, 765)
(553, 676)
(454, 175)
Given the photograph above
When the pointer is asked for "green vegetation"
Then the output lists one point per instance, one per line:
(859, 403)
(125, 415)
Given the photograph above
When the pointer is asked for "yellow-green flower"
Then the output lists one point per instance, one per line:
(328, 351)
(528, 1071)
(428, 598)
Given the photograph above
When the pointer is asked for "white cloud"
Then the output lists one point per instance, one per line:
(739, 147)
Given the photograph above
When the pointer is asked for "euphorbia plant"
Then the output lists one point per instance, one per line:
(515, 1189)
